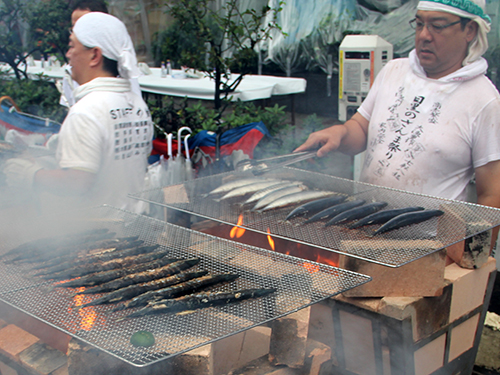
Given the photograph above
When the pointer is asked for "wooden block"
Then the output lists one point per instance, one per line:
(469, 287)
(42, 359)
(420, 278)
(14, 340)
(472, 252)
(357, 340)
(430, 357)
(289, 339)
(462, 337)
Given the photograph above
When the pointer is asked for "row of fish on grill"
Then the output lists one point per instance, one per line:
(125, 270)
(265, 194)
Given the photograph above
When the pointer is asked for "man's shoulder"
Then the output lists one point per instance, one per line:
(482, 89)
(399, 64)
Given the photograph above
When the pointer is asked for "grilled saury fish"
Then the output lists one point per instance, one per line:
(199, 301)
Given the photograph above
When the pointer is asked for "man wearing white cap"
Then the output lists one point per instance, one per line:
(430, 121)
(106, 137)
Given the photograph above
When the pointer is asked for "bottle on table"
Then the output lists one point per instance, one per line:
(163, 70)
(169, 68)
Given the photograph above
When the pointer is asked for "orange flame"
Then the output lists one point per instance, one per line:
(87, 314)
(311, 268)
(270, 239)
(237, 232)
(328, 261)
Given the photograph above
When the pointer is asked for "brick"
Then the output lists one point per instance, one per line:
(42, 359)
(85, 359)
(317, 354)
(255, 344)
(3, 323)
(289, 339)
(428, 315)
(7, 370)
(469, 287)
(420, 278)
(472, 252)
(197, 361)
(366, 303)
(14, 340)
(430, 357)
(321, 323)
(63, 370)
(488, 355)
(357, 340)
(238, 350)
(462, 337)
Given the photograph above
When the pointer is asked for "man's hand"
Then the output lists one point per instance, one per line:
(349, 138)
(326, 140)
(20, 173)
(488, 194)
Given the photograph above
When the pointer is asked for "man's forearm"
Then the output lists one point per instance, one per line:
(64, 181)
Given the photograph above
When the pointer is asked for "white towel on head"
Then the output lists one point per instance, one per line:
(479, 44)
(107, 32)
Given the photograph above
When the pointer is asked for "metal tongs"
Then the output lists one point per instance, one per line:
(261, 166)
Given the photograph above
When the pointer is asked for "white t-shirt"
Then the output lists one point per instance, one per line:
(68, 86)
(428, 135)
(108, 132)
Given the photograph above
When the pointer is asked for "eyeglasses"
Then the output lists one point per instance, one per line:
(434, 28)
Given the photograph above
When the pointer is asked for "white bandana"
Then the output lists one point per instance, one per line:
(474, 10)
(107, 32)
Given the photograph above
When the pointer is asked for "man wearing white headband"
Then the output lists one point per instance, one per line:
(106, 137)
(430, 120)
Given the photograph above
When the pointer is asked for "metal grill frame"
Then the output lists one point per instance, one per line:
(296, 287)
(461, 220)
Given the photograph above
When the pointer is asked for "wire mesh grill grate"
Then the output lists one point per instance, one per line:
(396, 248)
(297, 287)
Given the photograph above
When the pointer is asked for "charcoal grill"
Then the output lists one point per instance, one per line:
(396, 248)
(297, 287)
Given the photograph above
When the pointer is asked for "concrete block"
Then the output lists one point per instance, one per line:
(420, 278)
(462, 337)
(289, 339)
(42, 359)
(469, 287)
(430, 357)
(14, 340)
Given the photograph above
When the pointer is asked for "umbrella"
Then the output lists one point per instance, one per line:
(178, 163)
(189, 166)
